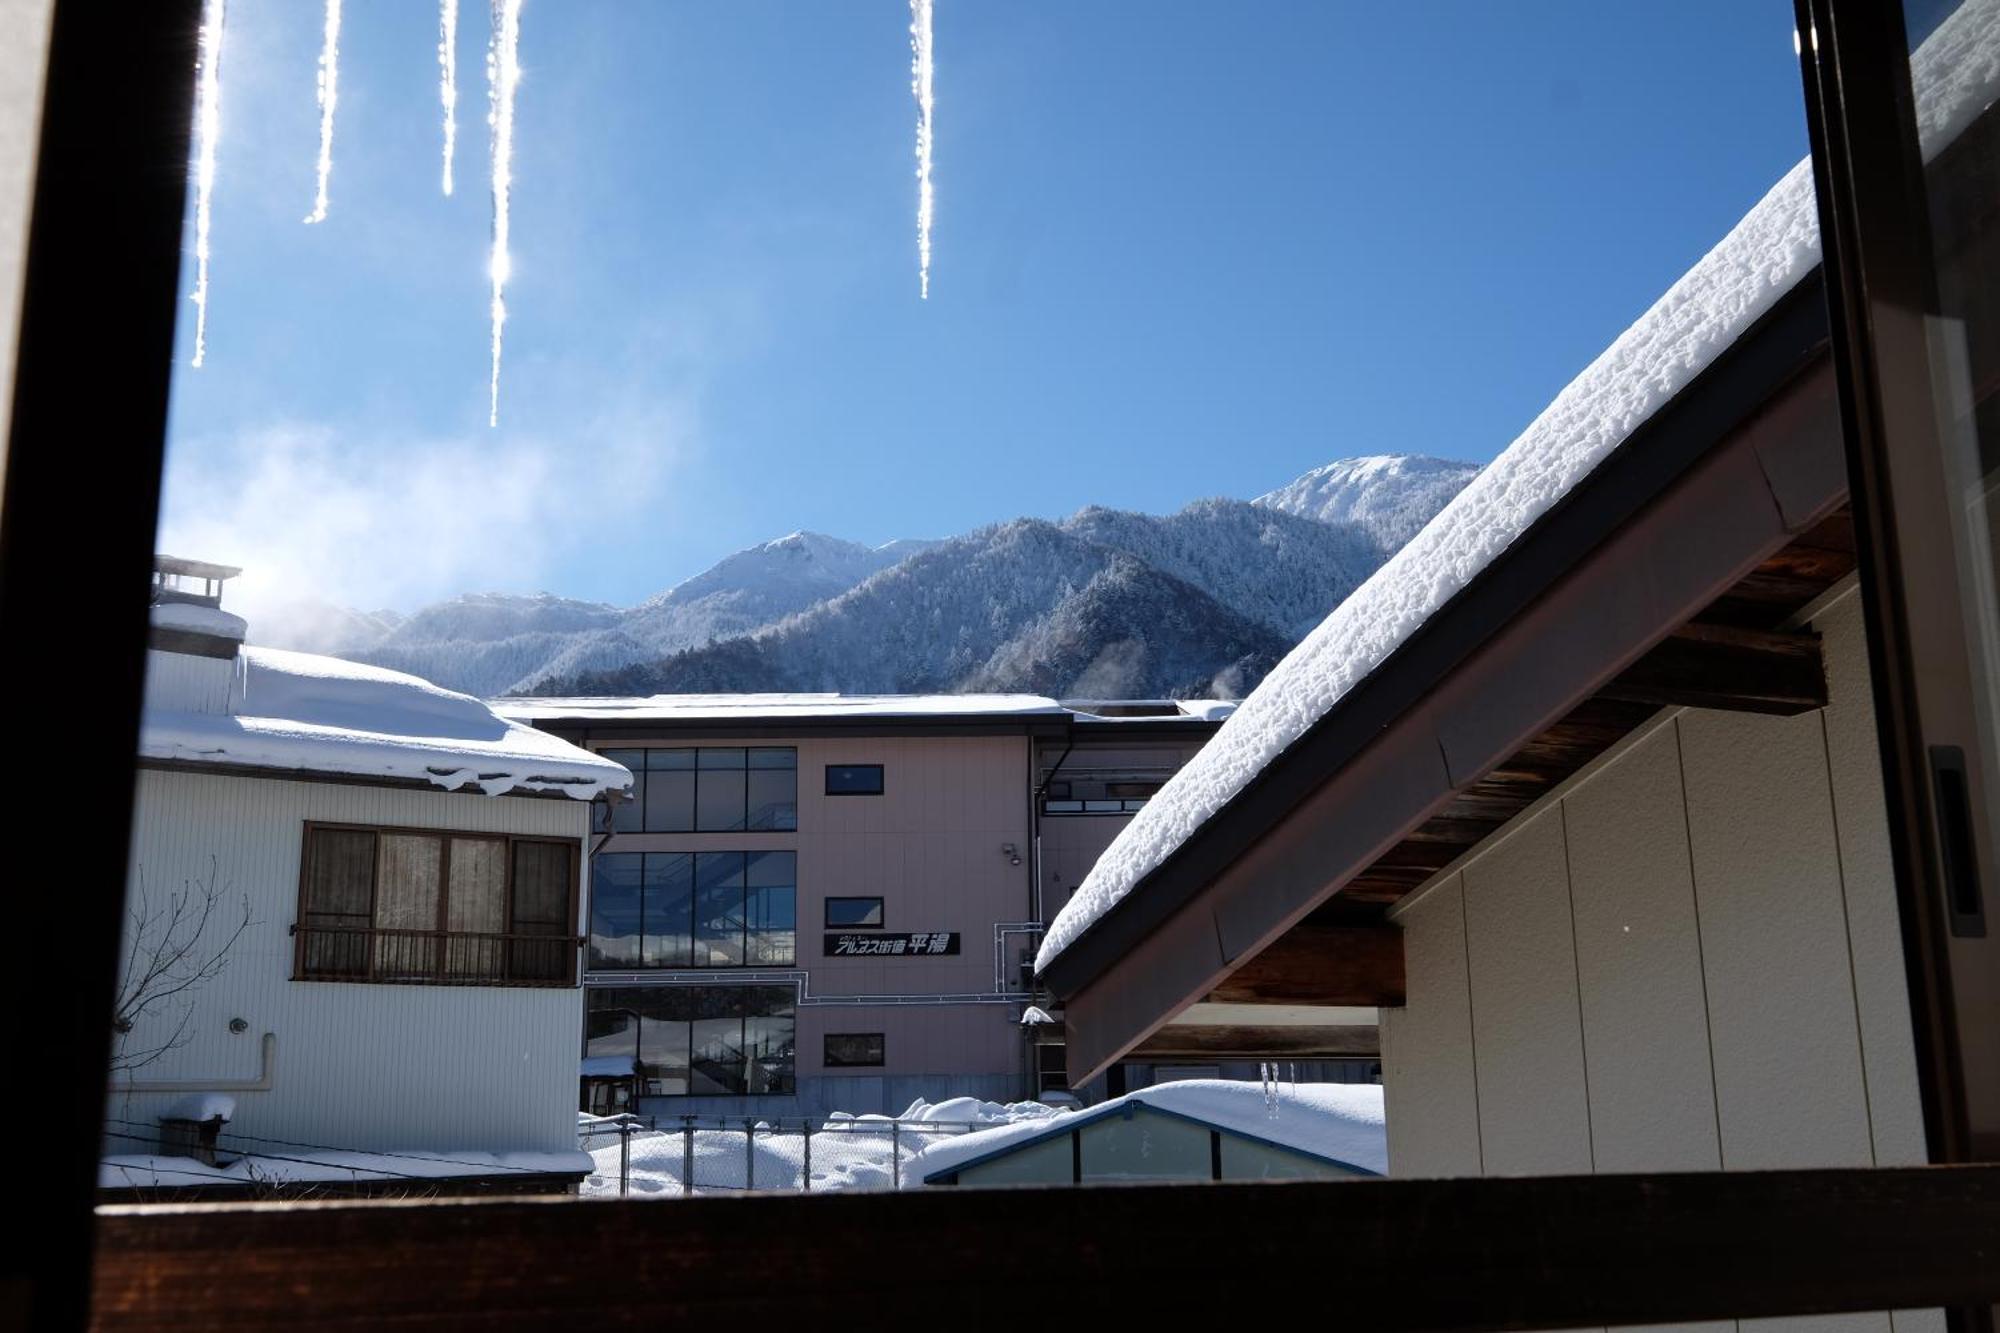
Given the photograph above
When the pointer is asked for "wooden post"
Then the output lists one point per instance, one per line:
(687, 1155)
(624, 1158)
(749, 1153)
(806, 1171)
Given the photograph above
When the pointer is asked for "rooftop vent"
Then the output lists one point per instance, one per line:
(187, 608)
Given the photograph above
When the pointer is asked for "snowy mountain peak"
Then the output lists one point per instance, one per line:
(1118, 602)
(1392, 495)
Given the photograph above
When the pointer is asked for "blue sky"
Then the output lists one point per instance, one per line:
(1183, 248)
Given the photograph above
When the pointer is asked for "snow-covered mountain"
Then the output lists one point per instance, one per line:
(1105, 602)
(1392, 495)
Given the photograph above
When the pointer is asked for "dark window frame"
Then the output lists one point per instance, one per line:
(789, 1079)
(745, 961)
(881, 1050)
(643, 771)
(881, 780)
(115, 110)
(880, 922)
(441, 974)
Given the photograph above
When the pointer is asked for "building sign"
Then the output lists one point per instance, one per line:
(875, 944)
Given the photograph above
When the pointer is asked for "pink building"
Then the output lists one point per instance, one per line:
(828, 902)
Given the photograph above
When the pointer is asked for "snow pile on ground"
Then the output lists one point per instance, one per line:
(1339, 1120)
(873, 1152)
(848, 1152)
(151, 1171)
(1763, 257)
(299, 712)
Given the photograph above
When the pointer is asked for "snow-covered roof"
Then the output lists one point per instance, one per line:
(297, 712)
(1342, 1122)
(195, 618)
(1775, 245)
(727, 708)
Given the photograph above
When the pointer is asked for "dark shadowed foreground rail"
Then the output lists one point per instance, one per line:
(1466, 1254)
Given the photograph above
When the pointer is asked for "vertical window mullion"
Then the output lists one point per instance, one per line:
(443, 918)
(374, 901)
(506, 940)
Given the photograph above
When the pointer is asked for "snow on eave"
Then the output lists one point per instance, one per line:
(775, 707)
(1766, 254)
(299, 714)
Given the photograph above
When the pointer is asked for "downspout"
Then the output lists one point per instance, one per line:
(1035, 825)
(267, 1073)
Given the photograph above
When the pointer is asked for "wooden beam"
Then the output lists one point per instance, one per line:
(1206, 1041)
(1528, 1252)
(1324, 965)
(1723, 667)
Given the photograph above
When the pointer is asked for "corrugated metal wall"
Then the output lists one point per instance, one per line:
(358, 1066)
(1687, 960)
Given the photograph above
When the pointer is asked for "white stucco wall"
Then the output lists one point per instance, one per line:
(1687, 958)
(372, 1067)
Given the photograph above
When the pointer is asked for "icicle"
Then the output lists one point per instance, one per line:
(448, 81)
(208, 124)
(329, 93)
(503, 75)
(920, 85)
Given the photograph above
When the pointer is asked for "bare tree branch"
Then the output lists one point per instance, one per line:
(171, 956)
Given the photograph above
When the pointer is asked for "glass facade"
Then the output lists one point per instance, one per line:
(693, 909)
(699, 1040)
(709, 790)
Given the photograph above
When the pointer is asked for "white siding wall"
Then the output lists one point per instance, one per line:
(358, 1066)
(1686, 959)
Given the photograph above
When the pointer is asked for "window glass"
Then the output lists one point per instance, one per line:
(723, 758)
(340, 887)
(719, 798)
(541, 908)
(854, 779)
(717, 1043)
(616, 894)
(769, 908)
(629, 816)
(774, 799)
(476, 906)
(853, 1049)
(406, 904)
(853, 913)
(669, 760)
(712, 1040)
(670, 797)
(769, 1049)
(718, 909)
(669, 879)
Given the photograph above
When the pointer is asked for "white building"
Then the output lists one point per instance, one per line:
(393, 881)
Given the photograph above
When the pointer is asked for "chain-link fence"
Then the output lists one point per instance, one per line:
(641, 1156)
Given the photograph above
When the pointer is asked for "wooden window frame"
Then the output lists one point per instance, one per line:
(105, 234)
(442, 976)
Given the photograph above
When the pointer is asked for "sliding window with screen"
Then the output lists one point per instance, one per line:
(427, 907)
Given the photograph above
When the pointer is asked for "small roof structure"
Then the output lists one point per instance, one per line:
(1338, 1125)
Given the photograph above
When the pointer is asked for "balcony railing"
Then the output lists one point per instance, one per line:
(434, 957)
